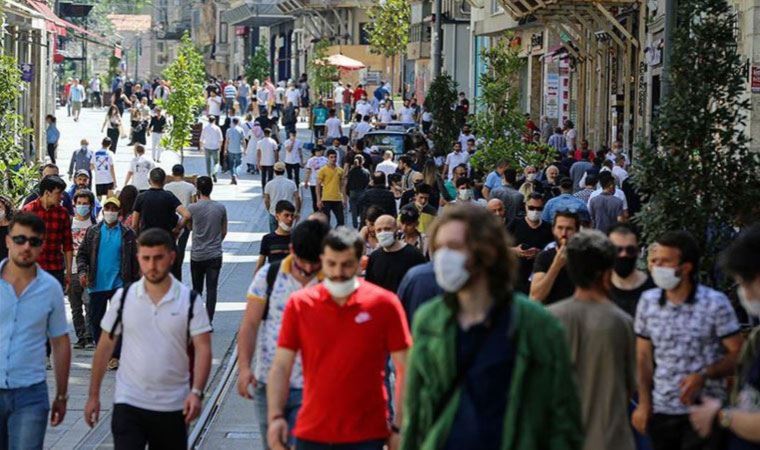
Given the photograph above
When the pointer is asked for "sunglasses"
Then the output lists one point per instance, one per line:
(21, 240)
(535, 208)
(628, 249)
(568, 210)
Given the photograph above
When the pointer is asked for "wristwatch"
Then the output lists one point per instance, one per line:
(197, 392)
(724, 418)
(61, 397)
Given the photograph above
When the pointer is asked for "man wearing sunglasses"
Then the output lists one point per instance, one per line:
(31, 310)
(531, 235)
(628, 282)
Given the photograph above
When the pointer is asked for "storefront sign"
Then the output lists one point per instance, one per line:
(551, 100)
(27, 72)
(755, 80)
(241, 30)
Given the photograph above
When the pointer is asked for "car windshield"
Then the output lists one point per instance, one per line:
(383, 142)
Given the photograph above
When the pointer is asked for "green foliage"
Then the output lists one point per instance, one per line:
(258, 65)
(701, 177)
(321, 74)
(18, 175)
(388, 27)
(499, 121)
(186, 75)
(440, 101)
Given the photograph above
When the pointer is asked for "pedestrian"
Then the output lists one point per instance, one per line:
(313, 165)
(32, 312)
(590, 186)
(233, 147)
(377, 194)
(276, 245)
(348, 99)
(293, 157)
(427, 213)
(243, 96)
(95, 95)
(565, 201)
(6, 215)
(507, 192)
(697, 337)
(106, 261)
(354, 354)
(606, 210)
(139, 169)
(579, 169)
(357, 181)
(496, 207)
(550, 281)
(628, 282)
(213, 106)
(268, 296)
(601, 342)
(102, 166)
(476, 396)
(455, 159)
(209, 221)
(80, 160)
(185, 191)
(530, 235)
(557, 140)
(76, 97)
(78, 297)
(230, 93)
(156, 128)
(409, 220)
(153, 403)
(388, 264)
(211, 141)
(267, 155)
(617, 192)
(52, 136)
(495, 178)
(113, 122)
(330, 188)
(127, 198)
(280, 188)
(570, 136)
(318, 119)
(740, 416)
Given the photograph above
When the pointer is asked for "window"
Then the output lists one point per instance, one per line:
(223, 30)
(496, 7)
(363, 34)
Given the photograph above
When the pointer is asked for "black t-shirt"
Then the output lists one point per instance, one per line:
(158, 209)
(528, 238)
(275, 247)
(3, 247)
(157, 124)
(563, 287)
(628, 300)
(387, 269)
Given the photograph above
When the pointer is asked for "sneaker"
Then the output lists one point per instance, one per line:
(234, 181)
(90, 345)
(81, 343)
(113, 364)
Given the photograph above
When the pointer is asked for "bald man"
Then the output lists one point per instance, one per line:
(388, 264)
(496, 207)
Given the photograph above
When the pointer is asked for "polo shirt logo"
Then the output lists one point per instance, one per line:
(362, 317)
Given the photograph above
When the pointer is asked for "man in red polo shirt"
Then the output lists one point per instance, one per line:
(345, 328)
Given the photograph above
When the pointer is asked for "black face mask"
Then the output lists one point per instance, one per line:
(624, 266)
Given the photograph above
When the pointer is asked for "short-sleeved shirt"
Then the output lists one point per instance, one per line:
(686, 338)
(26, 323)
(562, 287)
(266, 342)
(604, 210)
(387, 269)
(565, 202)
(57, 234)
(153, 333)
(493, 180)
(157, 208)
(331, 179)
(235, 140)
(140, 167)
(528, 237)
(280, 188)
(209, 217)
(275, 247)
(294, 155)
(314, 164)
(183, 190)
(103, 161)
(157, 124)
(268, 149)
(333, 125)
(454, 159)
(344, 351)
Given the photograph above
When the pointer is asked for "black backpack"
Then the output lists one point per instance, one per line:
(272, 272)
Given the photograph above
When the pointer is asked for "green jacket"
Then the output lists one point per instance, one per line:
(543, 409)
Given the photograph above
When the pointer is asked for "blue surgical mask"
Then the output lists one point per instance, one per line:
(83, 210)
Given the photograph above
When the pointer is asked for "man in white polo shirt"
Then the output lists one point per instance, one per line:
(153, 401)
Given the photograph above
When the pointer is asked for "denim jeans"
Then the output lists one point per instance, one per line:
(272, 223)
(292, 406)
(346, 113)
(209, 270)
(267, 173)
(184, 235)
(23, 417)
(212, 159)
(229, 105)
(234, 160)
(377, 444)
(353, 203)
(243, 102)
(80, 307)
(98, 306)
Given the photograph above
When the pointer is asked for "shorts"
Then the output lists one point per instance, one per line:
(102, 189)
(76, 106)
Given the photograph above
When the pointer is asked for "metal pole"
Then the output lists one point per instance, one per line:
(671, 21)
(437, 43)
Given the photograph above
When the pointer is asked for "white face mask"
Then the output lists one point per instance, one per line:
(449, 268)
(534, 216)
(465, 194)
(110, 216)
(386, 238)
(284, 226)
(665, 277)
(751, 305)
(341, 289)
(530, 176)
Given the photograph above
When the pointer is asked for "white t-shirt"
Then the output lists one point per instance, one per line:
(183, 190)
(268, 148)
(140, 166)
(280, 188)
(387, 167)
(338, 94)
(333, 125)
(279, 95)
(427, 116)
(214, 105)
(314, 164)
(406, 115)
(292, 95)
(294, 156)
(363, 108)
(263, 96)
(103, 161)
(385, 115)
(361, 129)
(152, 334)
(463, 138)
(454, 159)
(211, 137)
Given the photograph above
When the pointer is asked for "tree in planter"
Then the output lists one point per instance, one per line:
(322, 74)
(499, 122)
(258, 65)
(186, 76)
(18, 175)
(701, 176)
(388, 29)
(440, 101)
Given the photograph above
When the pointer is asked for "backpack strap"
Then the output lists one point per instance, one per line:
(120, 311)
(190, 312)
(272, 272)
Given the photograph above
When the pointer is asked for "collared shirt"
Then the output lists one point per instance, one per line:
(211, 137)
(686, 338)
(235, 139)
(52, 134)
(107, 277)
(153, 370)
(565, 202)
(26, 323)
(331, 179)
(81, 159)
(266, 343)
(57, 234)
(77, 93)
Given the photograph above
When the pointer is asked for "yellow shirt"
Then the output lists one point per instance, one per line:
(330, 178)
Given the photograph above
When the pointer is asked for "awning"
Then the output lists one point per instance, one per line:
(344, 62)
(257, 15)
(54, 23)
